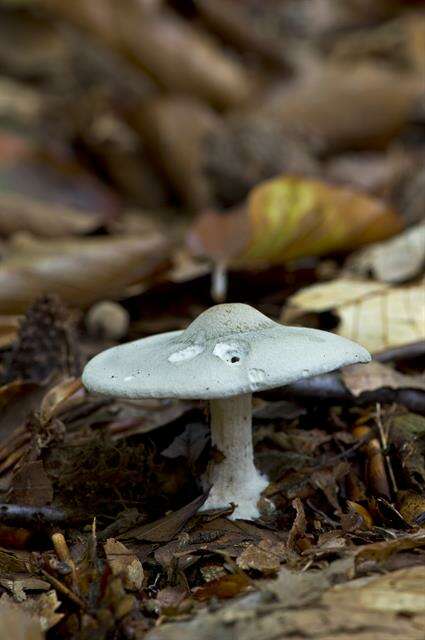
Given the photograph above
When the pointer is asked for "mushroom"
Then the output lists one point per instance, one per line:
(224, 355)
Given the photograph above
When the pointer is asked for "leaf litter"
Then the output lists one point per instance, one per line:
(138, 148)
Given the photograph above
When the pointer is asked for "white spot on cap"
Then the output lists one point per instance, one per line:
(186, 354)
(231, 352)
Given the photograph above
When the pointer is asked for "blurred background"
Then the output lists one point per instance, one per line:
(138, 139)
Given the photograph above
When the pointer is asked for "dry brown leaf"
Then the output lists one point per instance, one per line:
(359, 378)
(47, 195)
(19, 624)
(41, 609)
(31, 485)
(372, 313)
(80, 271)
(56, 397)
(412, 507)
(9, 327)
(265, 557)
(395, 260)
(168, 48)
(381, 551)
(175, 129)
(18, 100)
(401, 591)
(166, 528)
(125, 563)
(341, 106)
(299, 525)
(227, 586)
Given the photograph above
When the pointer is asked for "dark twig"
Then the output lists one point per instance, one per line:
(18, 515)
(329, 386)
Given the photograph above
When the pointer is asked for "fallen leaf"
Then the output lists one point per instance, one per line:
(175, 129)
(412, 507)
(9, 327)
(48, 196)
(407, 439)
(378, 552)
(344, 106)
(170, 49)
(299, 525)
(31, 485)
(288, 217)
(19, 623)
(41, 609)
(19, 101)
(359, 378)
(228, 586)
(17, 584)
(396, 260)
(80, 271)
(56, 397)
(401, 591)
(125, 563)
(374, 314)
(166, 528)
(263, 557)
(169, 600)
(189, 444)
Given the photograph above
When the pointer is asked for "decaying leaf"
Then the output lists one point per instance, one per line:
(176, 55)
(289, 217)
(18, 584)
(19, 624)
(166, 528)
(31, 485)
(373, 313)
(228, 586)
(41, 609)
(375, 375)
(188, 444)
(175, 128)
(299, 525)
(380, 551)
(412, 507)
(396, 260)
(125, 563)
(264, 557)
(341, 106)
(47, 196)
(401, 591)
(407, 435)
(9, 326)
(79, 271)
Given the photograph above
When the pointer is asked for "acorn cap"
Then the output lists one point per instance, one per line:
(230, 349)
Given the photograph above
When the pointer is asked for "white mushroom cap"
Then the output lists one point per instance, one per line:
(230, 349)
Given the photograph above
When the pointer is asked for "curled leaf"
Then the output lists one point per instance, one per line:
(79, 271)
(47, 195)
(290, 217)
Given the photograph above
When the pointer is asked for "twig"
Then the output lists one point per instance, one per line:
(57, 584)
(384, 447)
(64, 554)
(329, 386)
(17, 514)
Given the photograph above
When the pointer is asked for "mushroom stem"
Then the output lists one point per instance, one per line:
(219, 282)
(233, 478)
